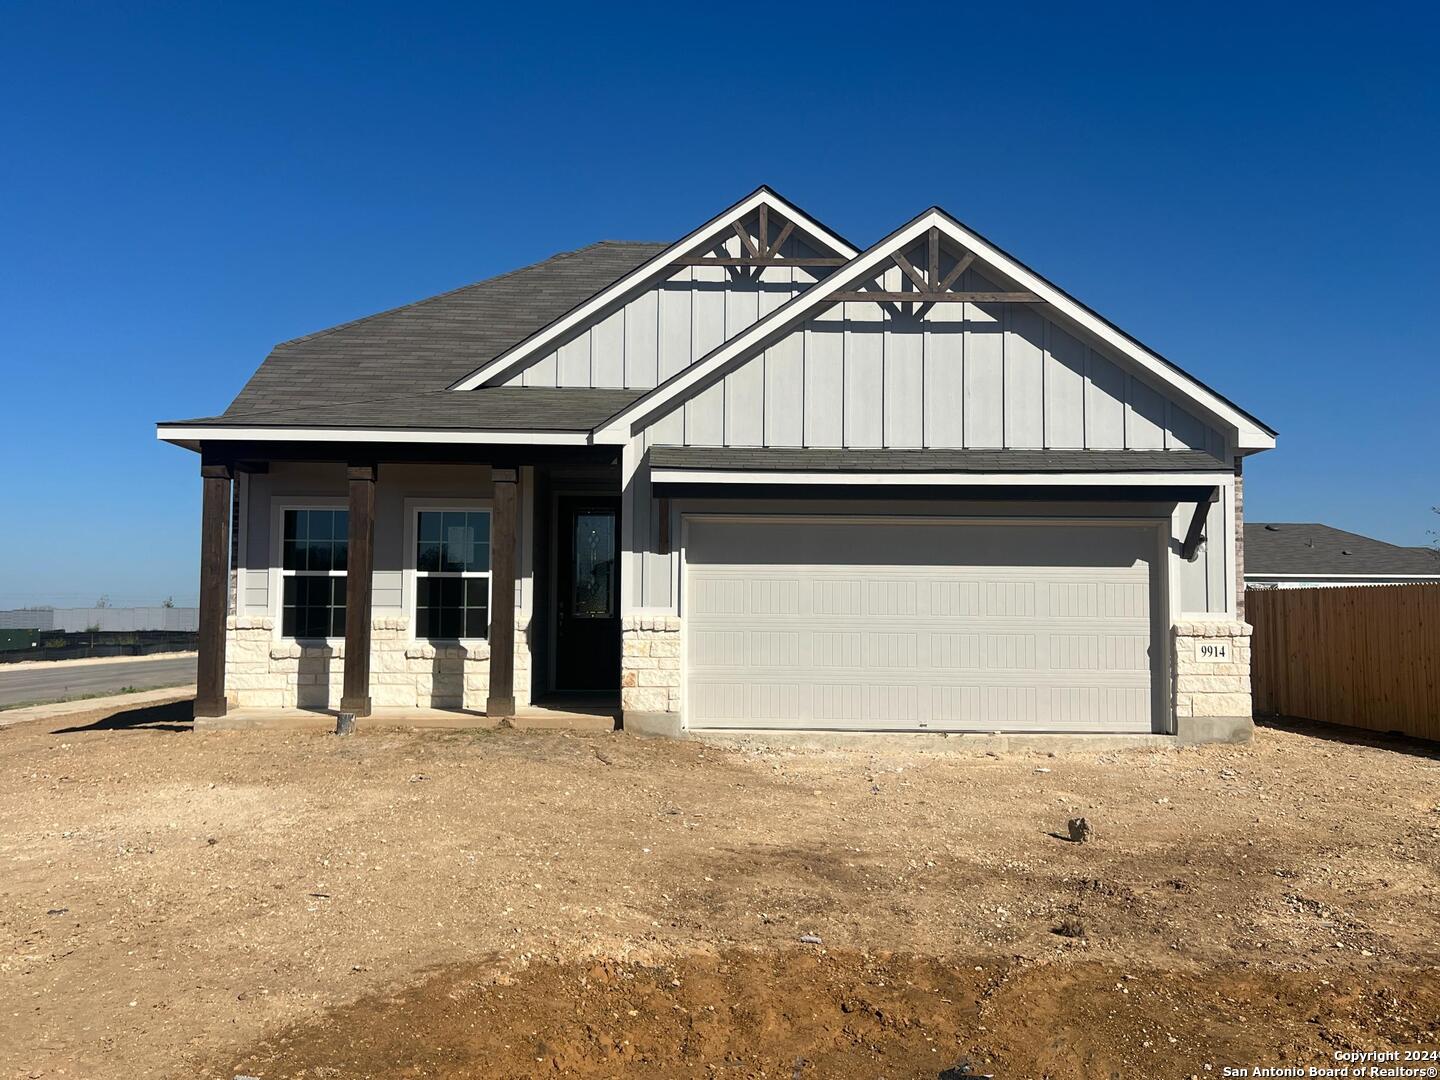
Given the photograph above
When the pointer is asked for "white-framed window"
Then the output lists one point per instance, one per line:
(450, 556)
(314, 552)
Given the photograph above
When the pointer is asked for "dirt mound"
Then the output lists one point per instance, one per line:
(171, 900)
(808, 1013)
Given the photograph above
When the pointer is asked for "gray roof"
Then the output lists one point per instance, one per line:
(427, 345)
(501, 408)
(778, 459)
(1309, 548)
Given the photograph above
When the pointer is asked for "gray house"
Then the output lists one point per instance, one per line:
(752, 479)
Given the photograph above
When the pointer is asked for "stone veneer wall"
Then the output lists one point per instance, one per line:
(262, 672)
(650, 664)
(1204, 689)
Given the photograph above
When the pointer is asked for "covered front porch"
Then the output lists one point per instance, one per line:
(453, 585)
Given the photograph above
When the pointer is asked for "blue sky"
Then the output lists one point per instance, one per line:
(1251, 192)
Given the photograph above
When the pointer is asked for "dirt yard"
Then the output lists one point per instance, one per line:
(506, 904)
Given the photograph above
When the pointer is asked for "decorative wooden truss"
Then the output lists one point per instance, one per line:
(930, 287)
(764, 253)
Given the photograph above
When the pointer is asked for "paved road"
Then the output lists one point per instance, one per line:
(63, 680)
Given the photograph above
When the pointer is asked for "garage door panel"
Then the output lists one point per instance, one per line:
(905, 644)
(774, 596)
(871, 544)
(718, 594)
(955, 598)
(1118, 680)
(876, 705)
(890, 649)
(839, 649)
(892, 596)
(836, 596)
(774, 647)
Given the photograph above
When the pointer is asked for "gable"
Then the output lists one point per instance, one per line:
(933, 337)
(689, 298)
(667, 327)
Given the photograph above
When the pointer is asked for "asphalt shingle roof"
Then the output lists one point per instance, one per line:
(501, 408)
(425, 346)
(1309, 548)
(776, 459)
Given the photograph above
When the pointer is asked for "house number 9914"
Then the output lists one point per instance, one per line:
(1213, 652)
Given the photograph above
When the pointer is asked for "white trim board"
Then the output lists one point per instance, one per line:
(699, 375)
(175, 434)
(502, 365)
(242, 546)
(1261, 575)
(1145, 479)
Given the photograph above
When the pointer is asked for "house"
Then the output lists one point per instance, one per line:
(1288, 555)
(755, 478)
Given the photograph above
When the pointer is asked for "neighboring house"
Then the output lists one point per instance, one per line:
(752, 479)
(1288, 555)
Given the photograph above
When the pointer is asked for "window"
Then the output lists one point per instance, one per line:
(314, 547)
(452, 574)
(594, 571)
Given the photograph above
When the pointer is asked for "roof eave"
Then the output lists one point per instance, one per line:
(190, 436)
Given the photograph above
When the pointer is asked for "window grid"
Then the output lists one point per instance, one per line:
(452, 574)
(314, 556)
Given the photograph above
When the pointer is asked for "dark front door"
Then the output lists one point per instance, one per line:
(587, 626)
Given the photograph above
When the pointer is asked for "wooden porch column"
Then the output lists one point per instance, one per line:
(501, 699)
(214, 589)
(359, 579)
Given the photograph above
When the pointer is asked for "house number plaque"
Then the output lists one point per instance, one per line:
(1212, 652)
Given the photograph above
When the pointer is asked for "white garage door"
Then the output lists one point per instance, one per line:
(919, 625)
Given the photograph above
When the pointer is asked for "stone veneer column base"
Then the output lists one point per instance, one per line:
(650, 688)
(1212, 701)
(263, 673)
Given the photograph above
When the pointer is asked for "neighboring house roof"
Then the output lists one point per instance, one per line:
(490, 409)
(772, 459)
(429, 344)
(1308, 549)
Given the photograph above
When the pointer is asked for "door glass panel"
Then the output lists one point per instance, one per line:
(594, 593)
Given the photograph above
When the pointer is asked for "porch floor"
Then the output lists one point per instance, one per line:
(545, 716)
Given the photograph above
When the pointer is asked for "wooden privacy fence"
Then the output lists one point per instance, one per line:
(1364, 655)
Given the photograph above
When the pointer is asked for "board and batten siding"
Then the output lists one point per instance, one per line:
(961, 375)
(667, 327)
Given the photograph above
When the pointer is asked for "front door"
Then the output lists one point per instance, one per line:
(587, 602)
